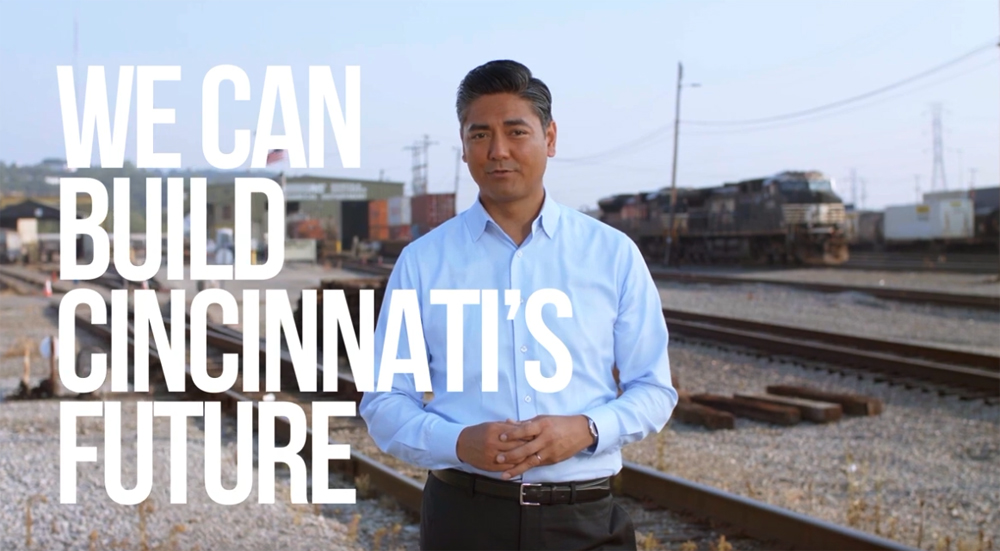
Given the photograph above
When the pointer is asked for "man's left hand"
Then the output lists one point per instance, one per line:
(551, 439)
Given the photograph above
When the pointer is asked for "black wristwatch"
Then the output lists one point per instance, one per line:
(593, 432)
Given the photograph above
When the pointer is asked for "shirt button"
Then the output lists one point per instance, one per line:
(527, 399)
(519, 254)
(524, 349)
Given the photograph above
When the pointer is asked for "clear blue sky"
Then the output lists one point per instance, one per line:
(611, 67)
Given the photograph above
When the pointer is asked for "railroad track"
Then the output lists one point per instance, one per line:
(969, 375)
(760, 521)
(924, 262)
(957, 300)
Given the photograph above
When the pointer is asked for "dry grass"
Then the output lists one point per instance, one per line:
(28, 520)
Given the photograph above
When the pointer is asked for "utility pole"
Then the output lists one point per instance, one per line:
(416, 169)
(958, 182)
(673, 171)
(938, 169)
(854, 189)
(916, 188)
(419, 164)
(972, 178)
(458, 165)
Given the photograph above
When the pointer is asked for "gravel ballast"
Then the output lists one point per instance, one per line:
(29, 472)
(868, 472)
(848, 313)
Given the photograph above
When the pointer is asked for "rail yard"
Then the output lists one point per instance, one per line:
(914, 467)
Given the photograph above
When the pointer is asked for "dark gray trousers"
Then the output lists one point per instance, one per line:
(455, 518)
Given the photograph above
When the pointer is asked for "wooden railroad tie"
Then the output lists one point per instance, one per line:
(852, 404)
(811, 410)
(760, 411)
(697, 414)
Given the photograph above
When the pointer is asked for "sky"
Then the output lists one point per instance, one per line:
(611, 67)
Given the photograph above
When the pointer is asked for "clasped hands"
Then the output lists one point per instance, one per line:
(514, 447)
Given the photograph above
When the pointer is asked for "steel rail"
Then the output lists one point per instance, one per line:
(959, 300)
(754, 518)
(988, 362)
(981, 381)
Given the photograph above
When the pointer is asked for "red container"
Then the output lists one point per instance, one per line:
(400, 232)
(378, 216)
(378, 233)
(432, 210)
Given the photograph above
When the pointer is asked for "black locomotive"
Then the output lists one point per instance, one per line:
(788, 218)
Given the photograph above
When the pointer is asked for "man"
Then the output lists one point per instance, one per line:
(514, 467)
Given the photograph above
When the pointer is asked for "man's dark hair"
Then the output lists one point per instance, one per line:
(504, 77)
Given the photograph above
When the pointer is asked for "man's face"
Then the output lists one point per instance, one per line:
(506, 147)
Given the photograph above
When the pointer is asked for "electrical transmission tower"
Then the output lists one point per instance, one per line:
(938, 170)
(419, 164)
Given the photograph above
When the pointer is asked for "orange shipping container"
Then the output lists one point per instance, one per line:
(378, 233)
(432, 210)
(378, 216)
(400, 232)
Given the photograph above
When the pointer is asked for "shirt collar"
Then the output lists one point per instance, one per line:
(476, 218)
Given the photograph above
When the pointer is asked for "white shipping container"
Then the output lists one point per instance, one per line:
(399, 211)
(948, 219)
(300, 250)
(932, 196)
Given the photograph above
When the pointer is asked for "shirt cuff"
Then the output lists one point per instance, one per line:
(445, 450)
(608, 431)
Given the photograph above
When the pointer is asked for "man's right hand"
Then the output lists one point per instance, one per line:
(479, 445)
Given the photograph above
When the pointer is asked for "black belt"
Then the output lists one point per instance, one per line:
(528, 493)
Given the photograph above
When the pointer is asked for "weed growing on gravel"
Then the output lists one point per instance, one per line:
(721, 545)
(28, 522)
(377, 538)
(352, 528)
(689, 546)
(920, 527)
(145, 508)
(646, 542)
(661, 450)
(363, 483)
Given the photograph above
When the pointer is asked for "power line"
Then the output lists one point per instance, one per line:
(636, 144)
(660, 133)
(842, 111)
(847, 101)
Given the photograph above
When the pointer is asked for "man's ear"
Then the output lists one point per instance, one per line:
(550, 139)
(461, 140)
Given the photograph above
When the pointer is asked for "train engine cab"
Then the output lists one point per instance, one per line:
(812, 216)
(788, 218)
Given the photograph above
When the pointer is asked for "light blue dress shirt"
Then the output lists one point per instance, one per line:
(617, 321)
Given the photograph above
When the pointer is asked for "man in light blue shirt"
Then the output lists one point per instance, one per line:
(518, 467)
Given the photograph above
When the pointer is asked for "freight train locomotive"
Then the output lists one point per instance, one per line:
(788, 218)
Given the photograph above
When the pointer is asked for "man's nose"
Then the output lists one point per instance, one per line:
(499, 149)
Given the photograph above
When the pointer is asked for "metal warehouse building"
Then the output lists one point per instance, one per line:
(337, 206)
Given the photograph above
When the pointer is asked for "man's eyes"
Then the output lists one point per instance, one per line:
(482, 135)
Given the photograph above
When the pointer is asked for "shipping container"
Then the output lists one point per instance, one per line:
(400, 232)
(432, 210)
(378, 215)
(354, 222)
(378, 232)
(399, 211)
(947, 219)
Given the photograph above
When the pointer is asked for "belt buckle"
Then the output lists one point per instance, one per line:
(521, 494)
